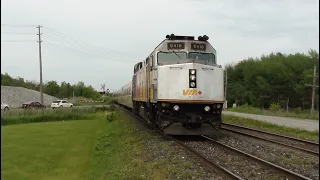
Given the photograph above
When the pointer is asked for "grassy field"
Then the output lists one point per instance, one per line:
(83, 149)
(56, 150)
(281, 113)
(304, 134)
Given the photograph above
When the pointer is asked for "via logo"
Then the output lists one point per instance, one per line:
(188, 92)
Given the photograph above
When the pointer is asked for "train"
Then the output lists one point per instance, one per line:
(178, 88)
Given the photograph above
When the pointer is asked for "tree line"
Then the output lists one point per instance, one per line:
(274, 79)
(63, 90)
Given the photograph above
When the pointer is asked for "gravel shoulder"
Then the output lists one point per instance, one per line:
(306, 124)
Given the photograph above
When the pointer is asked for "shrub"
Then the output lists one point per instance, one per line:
(274, 107)
(298, 110)
(111, 116)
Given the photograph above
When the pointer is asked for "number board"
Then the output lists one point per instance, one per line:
(198, 47)
(175, 45)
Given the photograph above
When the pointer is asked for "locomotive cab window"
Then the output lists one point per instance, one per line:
(170, 57)
(207, 58)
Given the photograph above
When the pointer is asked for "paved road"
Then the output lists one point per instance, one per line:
(285, 121)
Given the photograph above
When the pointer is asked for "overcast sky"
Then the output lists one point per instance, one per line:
(99, 41)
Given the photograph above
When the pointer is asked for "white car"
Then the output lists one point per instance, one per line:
(4, 106)
(61, 104)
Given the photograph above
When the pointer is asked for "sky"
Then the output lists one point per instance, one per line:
(99, 41)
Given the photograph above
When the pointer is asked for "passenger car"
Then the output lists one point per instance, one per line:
(33, 104)
(61, 104)
(4, 106)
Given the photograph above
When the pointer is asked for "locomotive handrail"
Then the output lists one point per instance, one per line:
(207, 68)
(176, 67)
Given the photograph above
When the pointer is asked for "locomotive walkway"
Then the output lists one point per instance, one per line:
(306, 124)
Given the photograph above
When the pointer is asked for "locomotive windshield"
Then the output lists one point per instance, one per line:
(208, 57)
(170, 57)
(182, 57)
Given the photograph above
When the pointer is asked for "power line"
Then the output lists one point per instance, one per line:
(83, 48)
(17, 41)
(68, 43)
(70, 48)
(19, 25)
(17, 33)
(71, 43)
(64, 36)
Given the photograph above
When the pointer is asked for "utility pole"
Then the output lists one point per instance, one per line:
(103, 87)
(225, 89)
(40, 61)
(313, 88)
(73, 97)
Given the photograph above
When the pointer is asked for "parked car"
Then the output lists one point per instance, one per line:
(61, 104)
(33, 104)
(4, 106)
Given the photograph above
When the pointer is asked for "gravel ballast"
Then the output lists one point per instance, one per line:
(291, 142)
(307, 165)
(178, 162)
(239, 165)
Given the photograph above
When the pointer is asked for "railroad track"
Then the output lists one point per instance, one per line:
(281, 140)
(218, 168)
(213, 166)
(283, 171)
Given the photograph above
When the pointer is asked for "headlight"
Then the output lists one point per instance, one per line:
(192, 77)
(219, 105)
(163, 104)
(193, 72)
(207, 108)
(192, 84)
(176, 108)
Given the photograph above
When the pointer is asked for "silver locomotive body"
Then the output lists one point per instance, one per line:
(179, 87)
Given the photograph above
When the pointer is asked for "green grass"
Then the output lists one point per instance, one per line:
(75, 150)
(56, 150)
(281, 113)
(34, 116)
(304, 134)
